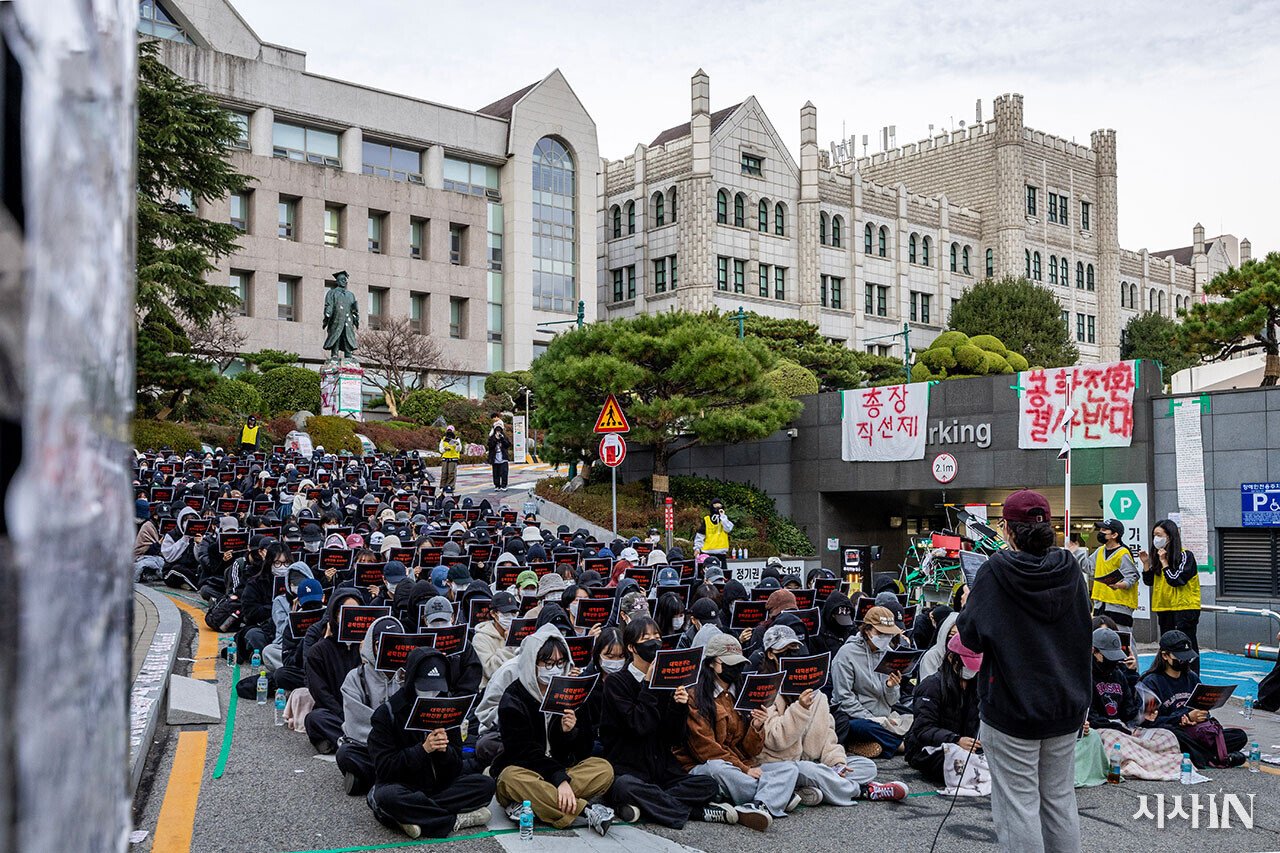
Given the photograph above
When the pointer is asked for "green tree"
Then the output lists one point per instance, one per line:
(1243, 321)
(837, 367)
(955, 355)
(1154, 336)
(289, 389)
(267, 360)
(1022, 314)
(183, 139)
(510, 387)
(682, 379)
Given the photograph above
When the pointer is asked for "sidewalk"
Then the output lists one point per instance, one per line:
(156, 631)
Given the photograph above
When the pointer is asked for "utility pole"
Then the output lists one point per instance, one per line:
(742, 319)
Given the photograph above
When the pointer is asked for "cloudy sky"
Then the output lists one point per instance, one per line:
(1191, 88)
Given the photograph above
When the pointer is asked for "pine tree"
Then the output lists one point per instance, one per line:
(1026, 317)
(1154, 336)
(1243, 318)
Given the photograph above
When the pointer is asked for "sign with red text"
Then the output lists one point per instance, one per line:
(1101, 395)
(676, 668)
(567, 693)
(440, 712)
(885, 424)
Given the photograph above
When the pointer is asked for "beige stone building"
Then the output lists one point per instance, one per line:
(472, 223)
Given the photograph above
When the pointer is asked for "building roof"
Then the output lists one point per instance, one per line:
(502, 108)
(1183, 255)
(682, 130)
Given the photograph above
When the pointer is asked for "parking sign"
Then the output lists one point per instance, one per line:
(1260, 504)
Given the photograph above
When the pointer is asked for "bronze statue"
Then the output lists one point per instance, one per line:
(341, 318)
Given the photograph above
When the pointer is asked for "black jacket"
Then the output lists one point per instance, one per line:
(937, 721)
(397, 754)
(640, 727)
(830, 636)
(526, 733)
(1115, 701)
(1029, 617)
(328, 661)
(494, 443)
(255, 602)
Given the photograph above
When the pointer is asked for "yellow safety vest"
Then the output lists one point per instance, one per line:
(249, 435)
(1166, 597)
(450, 449)
(1103, 566)
(713, 536)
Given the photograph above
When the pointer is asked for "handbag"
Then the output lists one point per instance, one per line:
(1209, 736)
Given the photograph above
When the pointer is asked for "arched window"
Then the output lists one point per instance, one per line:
(964, 260)
(722, 207)
(1028, 263)
(631, 217)
(1133, 294)
(1151, 301)
(1124, 295)
(740, 210)
(822, 228)
(1160, 302)
(1088, 277)
(925, 245)
(911, 249)
(659, 210)
(671, 205)
(955, 256)
(1065, 272)
(763, 225)
(554, 221)
(616, 216)
(1080, 274)
(780, 219)
(868, 234)
(1053, 269)
(837, 232)
(1036, 272)
(883, 245)
(991, 263)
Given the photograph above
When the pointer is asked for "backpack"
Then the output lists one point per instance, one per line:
(223, 615)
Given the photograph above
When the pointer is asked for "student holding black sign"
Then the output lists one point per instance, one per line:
(281, 606)
(419, 784)
(490, 640)
(179, 552)
(327, 663)
(363, 691)
(257, 599)
(866, 697)
(1172, 680)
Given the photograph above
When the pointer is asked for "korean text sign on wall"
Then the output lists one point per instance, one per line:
(885, 424)
(1101, 395)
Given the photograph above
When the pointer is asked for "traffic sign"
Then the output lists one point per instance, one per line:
(613, 449)
(945, 468)
(1125, 504)
(611, 418)
(1260, 504)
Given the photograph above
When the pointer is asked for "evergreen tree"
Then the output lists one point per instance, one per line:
(1026, 317)
(836, 366)
(1154, 336)
(1243, 318)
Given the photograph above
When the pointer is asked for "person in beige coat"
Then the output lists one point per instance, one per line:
(490, 639)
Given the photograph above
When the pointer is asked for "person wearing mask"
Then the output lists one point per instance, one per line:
(499, 456)
(1119, 598)
(1027, 614)
(546, 758)
(289, 674)
(420, 786)
(864, 697)
(490, 640)
(281, 606)
(257, 601)
(669, 613)
(450, 453)
(249, 435)
(1172, 680)
(325, 665)
(931, 660)
(945, 710)
(181, 567)
(725, 744)
(1174, 579)
(363, 691)
(712, 537)
(835, 625)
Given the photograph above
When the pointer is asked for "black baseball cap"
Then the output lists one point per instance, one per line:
(1177, 644)
(1115, 527)
(504, 602)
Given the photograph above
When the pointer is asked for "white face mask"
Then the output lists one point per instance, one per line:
(881, 641)
(573, 608)
(1159, 541)
(611, 665)
(677, 624)
(966, 674)
(546, 673)
(505, 620)
(459, 588)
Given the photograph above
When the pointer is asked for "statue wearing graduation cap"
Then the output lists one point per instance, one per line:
(341, 318)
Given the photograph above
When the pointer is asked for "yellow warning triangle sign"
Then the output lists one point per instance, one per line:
(611, 418)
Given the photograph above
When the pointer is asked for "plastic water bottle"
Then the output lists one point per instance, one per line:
(1255, 758)
(745, 553)
(1113, 769)
(231, 653)
(1187, 771)
(279, 706)
(262, 687)
(1247, 710)
(256, 663)
(526, 821)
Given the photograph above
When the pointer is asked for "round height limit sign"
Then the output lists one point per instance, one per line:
(945, 468)
(613, 449)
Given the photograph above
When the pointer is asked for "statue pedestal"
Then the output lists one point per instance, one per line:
(340, 390)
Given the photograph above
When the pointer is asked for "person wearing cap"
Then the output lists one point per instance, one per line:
(1027, 614)
(420, 786)
(526, 584)
(1115, 703)
(1116, 598)
(865, 698)
(725, 744)
(364, 689)
(945, 707)
(550, 587)
(438, 612)
(712, 537)
(1172, 680)
(450, 453)
(1174, 579)
(703, 612)
(499, 456)
(490, 640)
(632, 605)
(459, 579)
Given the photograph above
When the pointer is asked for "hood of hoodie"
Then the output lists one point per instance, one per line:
(185, 515)
(475, 589)
(341, 596)
(457, 527)
(835, 601)
(300, 570)
(506, 558)
(1037, 585)
(527, 657)
(420, 660)
(536, 554)
(367, 652)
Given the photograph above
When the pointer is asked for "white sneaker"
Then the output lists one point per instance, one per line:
(809, 796)
(719, 813)
(513, 811)
(754, 817)
(792, 803)
(599, 818)
(411, 829)
(477, 817)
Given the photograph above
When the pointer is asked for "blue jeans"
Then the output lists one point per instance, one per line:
(862, 730)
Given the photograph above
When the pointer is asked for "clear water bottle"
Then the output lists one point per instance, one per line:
(262, 687)
(526, 821)
(279, 706)
(1255, 758)
(256, 663)
(1247, 710)
(1187, 771)
(1113, 768)
(745, 553)
(231, 652)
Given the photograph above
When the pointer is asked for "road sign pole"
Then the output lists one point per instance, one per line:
(614, 473)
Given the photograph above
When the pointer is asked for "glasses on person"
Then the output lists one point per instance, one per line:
(556, 661)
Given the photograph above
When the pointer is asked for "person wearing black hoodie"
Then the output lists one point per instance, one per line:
(1027, 614)
(326, 665)
(835, 626)
(419, 783)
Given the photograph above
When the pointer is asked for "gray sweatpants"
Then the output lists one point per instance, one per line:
(1033, 797)
(837, 790)
(773, 790)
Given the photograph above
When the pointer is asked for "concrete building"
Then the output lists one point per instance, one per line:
(469, 222)
(862, 247)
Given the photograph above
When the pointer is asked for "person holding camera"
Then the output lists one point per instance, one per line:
(713, 537)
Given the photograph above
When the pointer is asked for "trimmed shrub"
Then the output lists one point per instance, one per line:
(238, 398)
(938, 359)
(333, 433)
(990, 343)
(154, 435)
(424, 405)
(391, 436)
(920, 373)
(968, 358)
(995, 363)
(289, 389)
(950, 340)
(792, 379)
(1016, 361)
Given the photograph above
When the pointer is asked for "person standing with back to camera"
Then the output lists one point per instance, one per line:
(1028, 616)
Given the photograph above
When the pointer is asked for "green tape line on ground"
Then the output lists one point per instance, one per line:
(221, 766)
(924, 794)
(448, 838)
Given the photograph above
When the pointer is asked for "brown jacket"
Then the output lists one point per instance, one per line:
(728, 737)
(147, 536)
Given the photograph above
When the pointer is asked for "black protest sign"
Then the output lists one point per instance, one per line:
(567, 693)
(506, 575)
(369, 574)
(336, 559)
(899, 660)
(759, 690)
(747, 614)
(823, 587)
(450, 639)
(442, 712)
(404, 555)
(806, 673)
(479, 611)
(197, 526)
(603, 565)
(301, 620)
(676, 668)
(805, 598)
(580, 649)
(429, 556)
(642, 575)
(670, 641)
(1206, 697)
(541, 567)
(809, 617)
(520, 628)
(394, 649)
(354, 621)
(236, 541)
(593, 611)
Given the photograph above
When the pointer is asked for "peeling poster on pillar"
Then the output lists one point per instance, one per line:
(885, 424)
(1101, 395)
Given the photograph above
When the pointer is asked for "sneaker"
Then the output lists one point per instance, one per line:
(1235, 759)
(325, 747)
(599, 818)
(513, 811)
(885, 790)
(754, 817)
(809, 796)
(792, 803)
(628, 813)
(719, 813)
(411, 829)
(477, 817)
(350, 783)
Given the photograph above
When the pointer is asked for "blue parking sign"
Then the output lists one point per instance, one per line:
(1260, 504)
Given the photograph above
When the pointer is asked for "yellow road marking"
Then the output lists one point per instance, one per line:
(178, 811)
(205, 666)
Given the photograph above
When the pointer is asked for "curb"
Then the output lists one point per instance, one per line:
(146, 695)
(551, 512)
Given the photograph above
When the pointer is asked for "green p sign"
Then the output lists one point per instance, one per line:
(1125, 504)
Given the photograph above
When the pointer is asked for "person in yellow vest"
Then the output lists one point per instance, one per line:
(713, 538)
(249, 435)
(1174, 579)
(450, 452)
(1117, 596)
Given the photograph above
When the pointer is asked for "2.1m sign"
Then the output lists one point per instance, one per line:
(1260, 504)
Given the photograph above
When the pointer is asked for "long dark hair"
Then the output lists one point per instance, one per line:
(669, 607)
(605, 640)
(274, 551)
(630, 635)
(704, 698)
(952, 684)
(1174, 548)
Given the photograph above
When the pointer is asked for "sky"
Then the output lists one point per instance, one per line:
(1190, 88)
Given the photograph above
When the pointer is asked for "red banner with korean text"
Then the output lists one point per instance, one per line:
(885, 424)
(1100, 395)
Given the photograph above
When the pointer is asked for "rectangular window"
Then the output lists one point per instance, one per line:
(1063, 218)
(240, 212)
(671, 267)
(631, 282)
(377, 307)
(660, 275)
(764, 280)
(376, 221)
(305, 144)
(418, 312)
(239, 283)
(1053, 207)
(1066, 318)
(722, 273)
(739, 276)
(1091, 324)
(925, 300)
(461, 176)
(914, 307)
(882, 301)
(390, 161)
(457, 317)
(286, 298)
(822, 291)
(332, 225)
(752, 165)
(1031, 200)
(241, 121)
(837, 285)
(617, 284)
(779, 282)
(1080, 328)
(456, 233)
(869, 292)
(1084, 215)
(287, 214)
(417, 238)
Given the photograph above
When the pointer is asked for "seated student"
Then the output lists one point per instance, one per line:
(257, 601)
(326, 665)
(639, 729)
(866, 697)
(419, 783)
(290, 674)
(834, 627)
(1172, 680)
(724, 744)
(703, 612)
(546, 758)
(147, 559)
(179, 552)
(363, 691)
(490, 639)
(281, 606)
(931, 660)
(803, 731)
(945, 711)
(1115, 704)
(669, 613)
